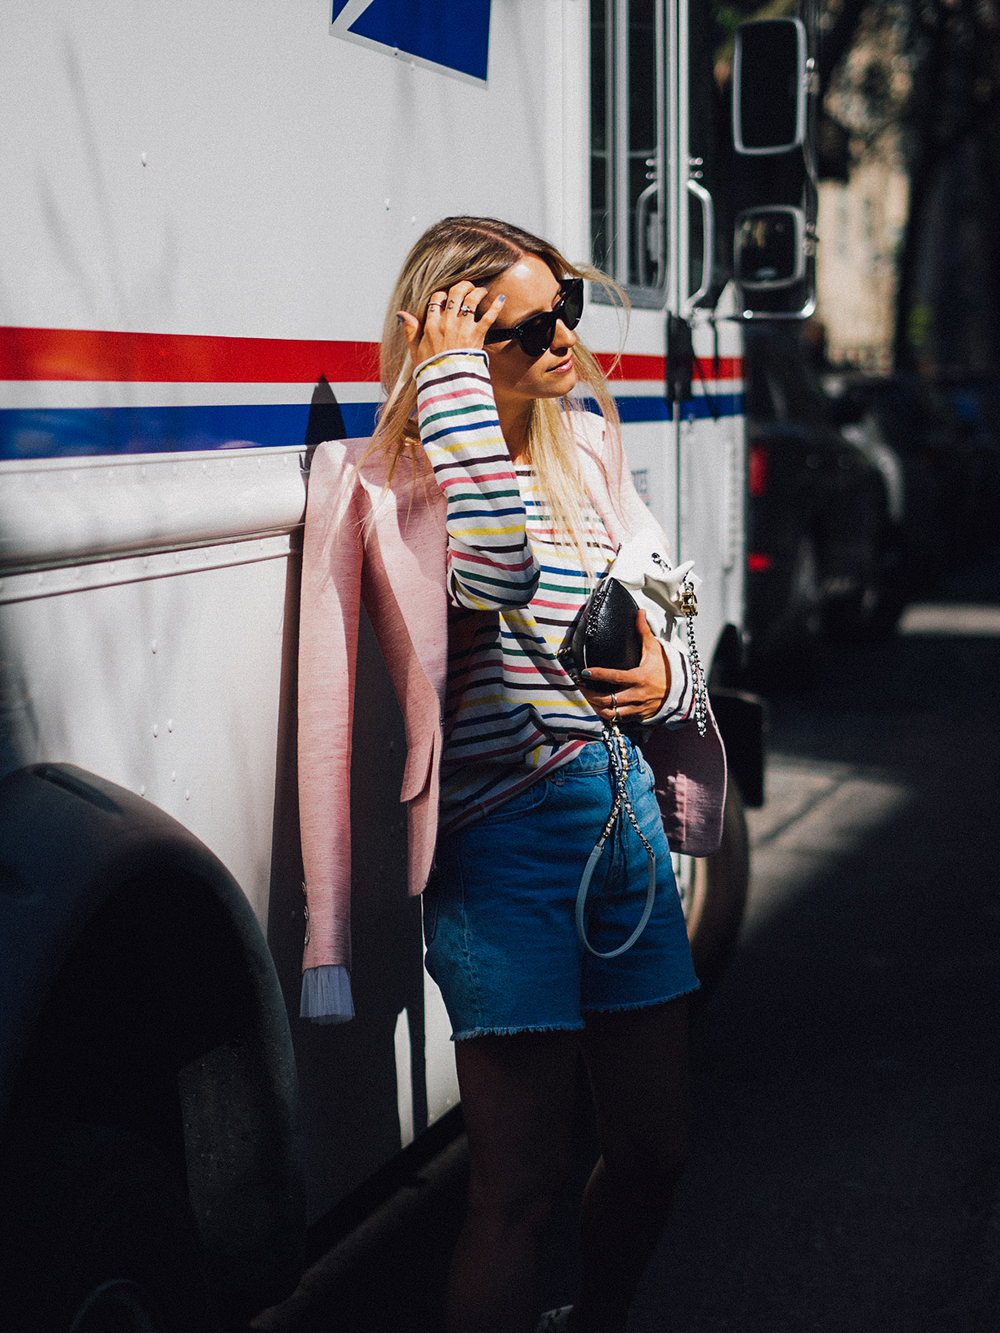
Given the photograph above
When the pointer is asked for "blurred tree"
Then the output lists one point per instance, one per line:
(949, 290)
(865, 78)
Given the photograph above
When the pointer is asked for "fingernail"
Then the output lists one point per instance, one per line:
(399, 319)
(501, 297)
(585, 674)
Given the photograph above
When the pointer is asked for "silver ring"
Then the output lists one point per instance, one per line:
(434, 305)
(466, 310)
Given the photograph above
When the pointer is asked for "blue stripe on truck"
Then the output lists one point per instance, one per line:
(80, 432)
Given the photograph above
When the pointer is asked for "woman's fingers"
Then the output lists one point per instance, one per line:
(602, 705)
(420, 336)
(450, 321)
(411, 330)
(435, 310)
(488, 316)
(455, 300)
(626, 705)
(459, 315)
(604, 698)
(631, 694)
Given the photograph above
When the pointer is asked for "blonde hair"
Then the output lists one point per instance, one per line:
(480, 250)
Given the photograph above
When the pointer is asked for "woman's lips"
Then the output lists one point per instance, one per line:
(562, 367)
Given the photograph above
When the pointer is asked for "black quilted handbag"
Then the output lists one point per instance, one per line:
(604, 634)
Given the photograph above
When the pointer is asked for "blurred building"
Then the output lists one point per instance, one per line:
(860, 226)
(863, 192)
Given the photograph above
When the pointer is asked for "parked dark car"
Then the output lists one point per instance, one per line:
(824, 536)
(947, 435)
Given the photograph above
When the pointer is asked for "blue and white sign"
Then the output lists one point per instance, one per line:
(451, 36)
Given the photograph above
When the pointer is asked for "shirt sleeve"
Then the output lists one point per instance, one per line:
(491, 565)
(326, 994)
(630, 517)
(678, 706)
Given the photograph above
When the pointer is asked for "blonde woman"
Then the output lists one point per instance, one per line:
(475, 525)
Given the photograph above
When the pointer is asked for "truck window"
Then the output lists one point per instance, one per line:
(628, 177)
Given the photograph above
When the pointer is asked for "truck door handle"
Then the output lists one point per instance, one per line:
(642, 208)
(708, 237)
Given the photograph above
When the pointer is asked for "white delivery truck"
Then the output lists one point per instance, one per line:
(204, 209)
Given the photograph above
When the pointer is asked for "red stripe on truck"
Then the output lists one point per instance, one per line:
(86, 354)
(633, 366)
(177, 358)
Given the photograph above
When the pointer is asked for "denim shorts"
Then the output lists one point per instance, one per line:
(499, 911)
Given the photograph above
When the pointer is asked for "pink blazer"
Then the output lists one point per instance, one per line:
(387, 549)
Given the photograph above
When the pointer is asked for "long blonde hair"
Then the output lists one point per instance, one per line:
(480, 250)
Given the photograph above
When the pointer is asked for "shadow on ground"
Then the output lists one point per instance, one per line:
(845, 1167)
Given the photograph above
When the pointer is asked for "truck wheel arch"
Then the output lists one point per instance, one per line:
(137, 992)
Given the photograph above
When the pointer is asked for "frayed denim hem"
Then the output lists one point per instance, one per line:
(641, 1004)
(469, 1033)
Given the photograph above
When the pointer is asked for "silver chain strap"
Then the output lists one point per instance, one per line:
(689, 605)
(617, 748)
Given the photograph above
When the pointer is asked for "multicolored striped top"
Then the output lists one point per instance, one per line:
(512, 713)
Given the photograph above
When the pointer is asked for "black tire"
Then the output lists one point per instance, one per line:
(98, 1237)
(715, 895)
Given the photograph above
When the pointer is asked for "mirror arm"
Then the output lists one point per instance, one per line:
(804, 312)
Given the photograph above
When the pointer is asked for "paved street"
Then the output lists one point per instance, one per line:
(846, 1162)
(845, 1172)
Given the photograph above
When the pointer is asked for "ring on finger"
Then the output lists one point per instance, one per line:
(466, 310)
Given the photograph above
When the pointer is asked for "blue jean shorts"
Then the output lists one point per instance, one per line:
(499, 911)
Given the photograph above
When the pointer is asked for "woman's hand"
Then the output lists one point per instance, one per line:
(631, 696)
(450, 322)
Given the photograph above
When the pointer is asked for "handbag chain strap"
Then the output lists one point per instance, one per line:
(689, 608)
(617, 748)
(689, 605)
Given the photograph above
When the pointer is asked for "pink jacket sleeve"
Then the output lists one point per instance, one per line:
(331, 586)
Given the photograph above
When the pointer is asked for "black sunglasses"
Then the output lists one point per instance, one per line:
(536, 333)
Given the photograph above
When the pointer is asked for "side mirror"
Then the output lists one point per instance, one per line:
(770, 249)
(774, 183)
(769, 86)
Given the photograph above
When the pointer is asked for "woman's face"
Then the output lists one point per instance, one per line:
(530, 289)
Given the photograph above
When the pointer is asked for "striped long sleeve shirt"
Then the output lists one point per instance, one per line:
(512, 713)
(491, 564)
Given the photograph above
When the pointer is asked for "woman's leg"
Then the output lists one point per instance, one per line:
(517, 1098)
(638, 1064)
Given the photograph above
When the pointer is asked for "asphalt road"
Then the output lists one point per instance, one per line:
(845, 1168)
